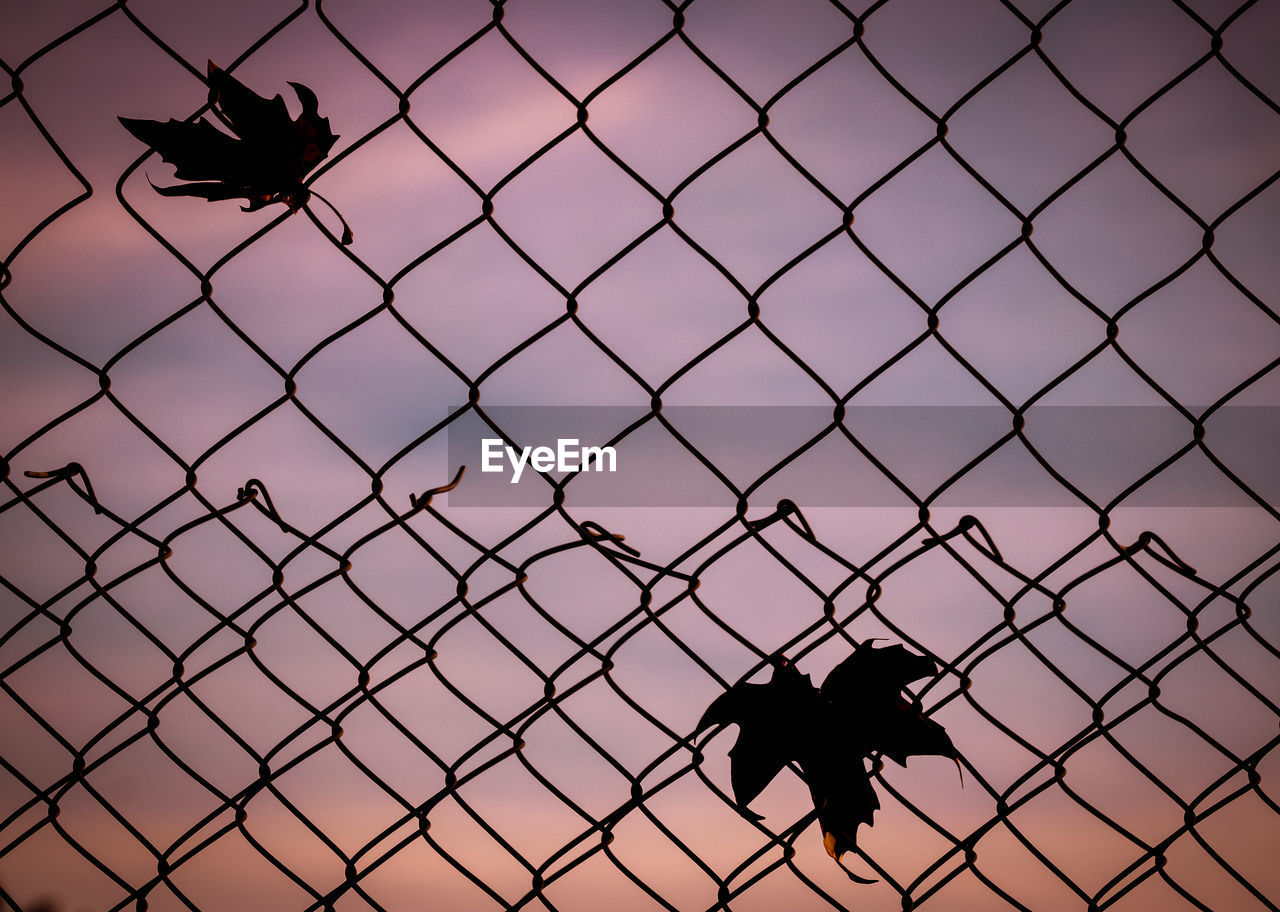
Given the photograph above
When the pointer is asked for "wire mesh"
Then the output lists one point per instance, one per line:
(299, 687)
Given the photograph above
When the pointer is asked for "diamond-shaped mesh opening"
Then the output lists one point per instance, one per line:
(949, 325)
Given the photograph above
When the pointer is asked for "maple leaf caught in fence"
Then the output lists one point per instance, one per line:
(859, 710)
(263, 163)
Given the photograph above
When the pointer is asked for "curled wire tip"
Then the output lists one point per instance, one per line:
(71, 468)
(828, 840)
(347, 236)
(789, 513)
(250, 491)
(596, 532)
(1169, 558)
(971, 522)
(789, 510)
(69, 473)
(425, 498)
(963, 527)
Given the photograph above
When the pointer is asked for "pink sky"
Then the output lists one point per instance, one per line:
(843, 315)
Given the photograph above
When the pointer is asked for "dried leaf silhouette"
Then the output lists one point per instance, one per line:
(859, 710)
(263, 163)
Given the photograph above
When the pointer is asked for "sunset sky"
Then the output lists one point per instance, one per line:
(896, 263)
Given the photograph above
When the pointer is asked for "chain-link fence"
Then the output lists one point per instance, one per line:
(943, 324)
